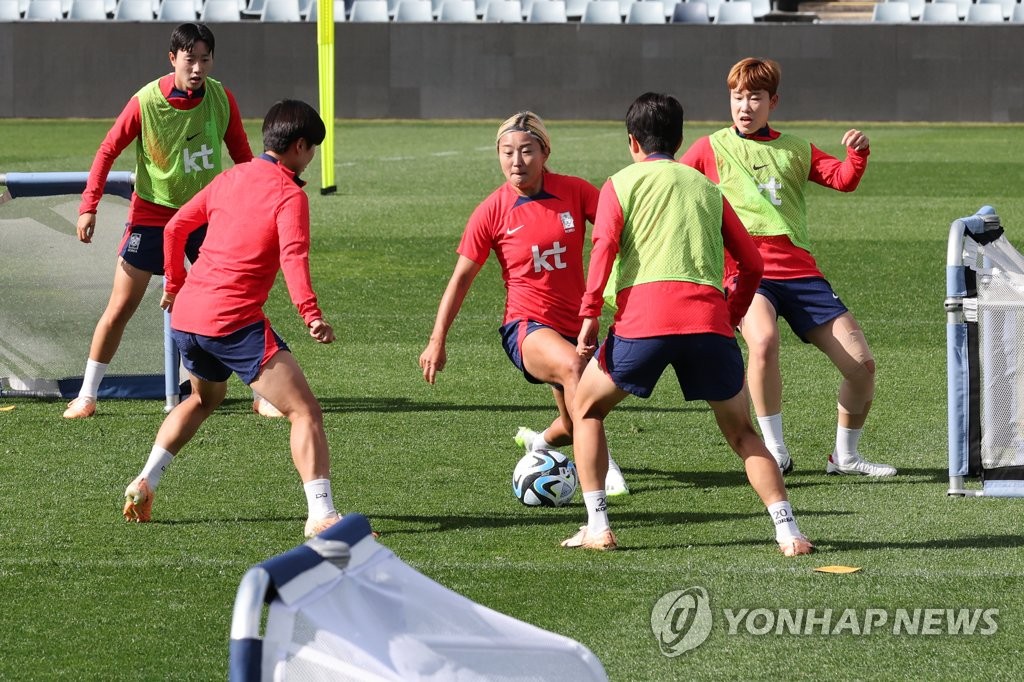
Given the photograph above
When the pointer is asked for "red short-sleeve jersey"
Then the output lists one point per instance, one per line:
(538, 242)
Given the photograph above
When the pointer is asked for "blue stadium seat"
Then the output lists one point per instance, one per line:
(601, 12)
(280, 11)
(735, 12)
(216, 11)
(10, 10)
(87, 10)
(133, 10)
(369, 11)
(985, 13)
(547, 12)
(690, 13)
(176, 10)
(645, 12)
(1006, 5)
(414, 11)
(503, 11)
(45, 10)
(893, 12)
(457, 11)
(940, 12)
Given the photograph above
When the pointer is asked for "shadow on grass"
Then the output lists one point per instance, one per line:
(1011, 541)
(211, 521)
(390, 405)
(455, 522)
(643, 480)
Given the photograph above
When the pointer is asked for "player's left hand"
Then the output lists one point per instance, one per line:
(321, 331)
(167, 301)
(586, 343)
(855, 140)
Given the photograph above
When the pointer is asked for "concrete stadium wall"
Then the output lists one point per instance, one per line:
(564, 71)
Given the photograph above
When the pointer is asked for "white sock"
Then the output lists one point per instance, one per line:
(156, 465)
(771, 432)
(318, 498)
(94, 372)
(785, 524)
(539, 443)
(846, 445)
(597, 511)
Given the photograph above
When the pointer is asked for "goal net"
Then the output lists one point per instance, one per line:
(343, 607)
(55, 288)
(985, 357)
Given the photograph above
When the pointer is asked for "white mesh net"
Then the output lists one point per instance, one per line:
(380, 619)
(55, 289)
(1001, 352)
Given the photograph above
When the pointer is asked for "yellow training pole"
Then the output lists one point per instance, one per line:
(325, 53)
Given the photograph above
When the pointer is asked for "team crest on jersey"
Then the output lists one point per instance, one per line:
(133, 243)
(567, 222)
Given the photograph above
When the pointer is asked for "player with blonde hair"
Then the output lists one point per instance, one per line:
(536, 224)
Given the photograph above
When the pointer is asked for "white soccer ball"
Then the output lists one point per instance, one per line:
(544, 478)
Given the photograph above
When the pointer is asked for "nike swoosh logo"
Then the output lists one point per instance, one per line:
(757, 168)
(513, 230)
(192, 137)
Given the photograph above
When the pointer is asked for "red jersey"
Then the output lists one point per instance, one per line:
(782, 258)
(539, 242)
(124, 132)
(665, 308)
(258, 218)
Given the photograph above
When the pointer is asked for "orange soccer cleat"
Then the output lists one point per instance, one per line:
(138, 501)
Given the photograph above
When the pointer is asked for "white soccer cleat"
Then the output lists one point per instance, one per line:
(264, 408)
(614, 483)
(80, 408)
(783, 459)
(605, 541)
(859, 467)
(795, 546)
(316, 526)
(525, 437)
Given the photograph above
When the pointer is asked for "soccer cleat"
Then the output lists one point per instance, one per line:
(784, 461)
(859, 467)
(138, 501)
(316, 526)
(614, 483)
(604, 541)
(80, 408)
(264, 408)
(795, 546)
(524, 438)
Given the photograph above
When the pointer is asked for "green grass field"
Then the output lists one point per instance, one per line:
(87, 596)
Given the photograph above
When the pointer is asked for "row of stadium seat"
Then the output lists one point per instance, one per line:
(948, 11)
(558, 11)
(542, 11)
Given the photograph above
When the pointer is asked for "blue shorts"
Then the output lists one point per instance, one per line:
(512, 336)
(804, 303)
(143, 247)
(708, 366)
(243, 352)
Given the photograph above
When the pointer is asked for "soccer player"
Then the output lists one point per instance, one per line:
(764, 174)
(178, 123)
(258, 217)
(535, 223)
(659, 241)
